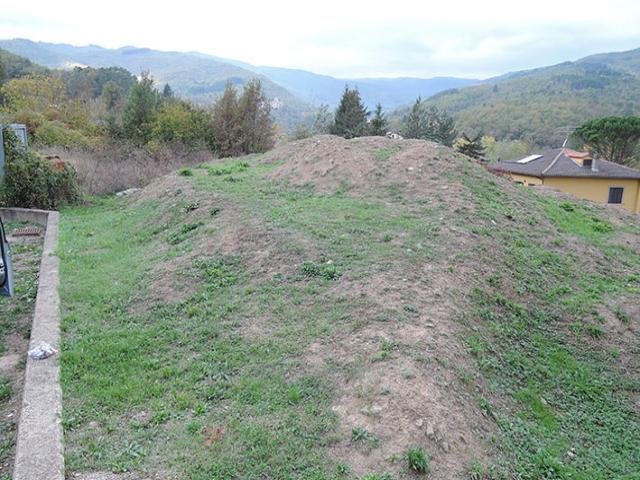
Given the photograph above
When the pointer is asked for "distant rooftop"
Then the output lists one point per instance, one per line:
(564, 162)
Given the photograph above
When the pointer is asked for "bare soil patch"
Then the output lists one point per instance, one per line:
(329, 163)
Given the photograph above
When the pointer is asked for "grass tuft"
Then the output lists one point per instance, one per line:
(417, 460)
(362, 436)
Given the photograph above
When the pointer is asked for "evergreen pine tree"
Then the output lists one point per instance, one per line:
(471, 147)
(441, 127)
(378, 124)
(167, 91)
(351, 116)
(414, 123)
(428, 123)
(226, 124)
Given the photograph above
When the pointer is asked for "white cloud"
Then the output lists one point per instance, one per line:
(341, 37)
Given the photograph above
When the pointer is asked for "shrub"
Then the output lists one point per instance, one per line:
(32, 182)
(33, 120)
(181, 122)
(56, 133)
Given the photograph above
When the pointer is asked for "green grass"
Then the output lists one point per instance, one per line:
(383, 154)
(214, 384)
(15, 312)
(188, 365)
(6, 390)
(417, 460)
(569, 415)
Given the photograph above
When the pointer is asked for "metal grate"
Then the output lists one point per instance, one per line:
(27, 232)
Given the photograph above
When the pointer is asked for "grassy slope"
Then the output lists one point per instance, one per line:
(185, 387)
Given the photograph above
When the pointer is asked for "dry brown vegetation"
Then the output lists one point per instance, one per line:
(114, 167)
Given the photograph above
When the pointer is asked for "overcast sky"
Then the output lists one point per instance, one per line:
(344, 38)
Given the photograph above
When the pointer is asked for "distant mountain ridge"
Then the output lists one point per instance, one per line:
(200, 77)
(534, 105)
(390, 92)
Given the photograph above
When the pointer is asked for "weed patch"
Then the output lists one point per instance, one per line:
(383, 154)
(6, 390)
(417, 460)
(364, 437)
(219, 273)
(229, 168)
(183, 232)
(325, 270)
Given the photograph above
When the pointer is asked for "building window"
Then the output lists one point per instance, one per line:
(587, 163)
(615, 194)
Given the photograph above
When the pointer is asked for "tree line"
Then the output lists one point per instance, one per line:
(353, 119)
(85, 107)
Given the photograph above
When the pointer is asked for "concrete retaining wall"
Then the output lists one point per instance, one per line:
(39, 217)
(39, 448)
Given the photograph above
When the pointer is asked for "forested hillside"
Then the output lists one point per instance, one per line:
(537, 105)
(14, 66)
(199, 78)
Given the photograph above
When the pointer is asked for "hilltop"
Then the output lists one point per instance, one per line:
(317, 311)
(537, 105)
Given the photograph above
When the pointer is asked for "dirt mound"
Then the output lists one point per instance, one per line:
(389, 295)
(332, 163)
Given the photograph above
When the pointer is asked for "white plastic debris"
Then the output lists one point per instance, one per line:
(126, 192)
(42, 351)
